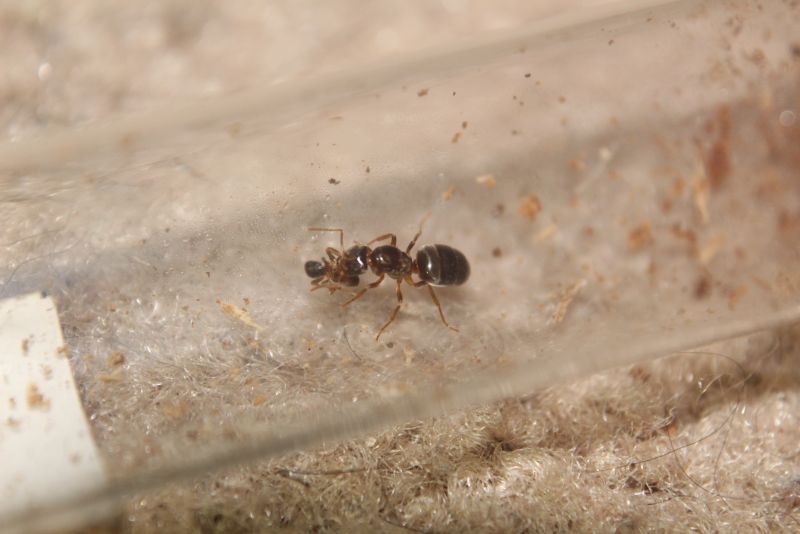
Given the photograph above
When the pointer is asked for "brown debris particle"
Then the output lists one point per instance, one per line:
(464, 125)
(562, 99)
(112, 378)
(529, 207)
(702, 287)
(578, 164)
(422, 92)
(260, 399)
(25, 346)
(757, 57)
(498, 210)
(456, 137)
(717, 160)
(367, 169)
(448, 194)
(238, 313)
(497, 252)
(718, 165)
(115, 359)
(333, 181)
(175, 410)
(37, 401)
(487, 180)
(566, 298)
(640, 236)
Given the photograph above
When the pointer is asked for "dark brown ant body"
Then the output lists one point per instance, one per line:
(435, 265)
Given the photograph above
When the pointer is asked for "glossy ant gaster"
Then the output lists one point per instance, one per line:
(435, 265)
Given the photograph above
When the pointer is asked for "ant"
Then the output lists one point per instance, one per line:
(435, 265)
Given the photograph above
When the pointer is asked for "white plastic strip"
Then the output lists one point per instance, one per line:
(46, 447)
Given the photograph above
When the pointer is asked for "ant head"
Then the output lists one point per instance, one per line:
(314, 269)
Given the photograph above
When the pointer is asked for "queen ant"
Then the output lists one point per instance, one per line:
(435, 265)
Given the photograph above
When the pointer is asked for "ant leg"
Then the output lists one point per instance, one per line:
(360, 294)
(332, 253)
(419, 233)
(384, 236)
(331, 287)
(341, 233)
(438, 306)
(394, 312)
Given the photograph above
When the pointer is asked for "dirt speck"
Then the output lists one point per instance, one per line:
(115, 359)
(333, 181)
(456, 137)
(37, 401)
(529, 207)
(422, 92)
(702, 287)
(497, 252)
(640, 236)
(717, 159)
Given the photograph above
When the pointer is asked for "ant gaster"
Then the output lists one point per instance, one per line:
(435, 265)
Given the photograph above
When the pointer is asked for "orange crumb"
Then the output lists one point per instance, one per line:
(258, 400)
(529, 207)
(578, 164)
(37, 401)
(448, 194)
(487, 180)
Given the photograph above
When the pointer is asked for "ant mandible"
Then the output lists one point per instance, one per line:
(436, 265)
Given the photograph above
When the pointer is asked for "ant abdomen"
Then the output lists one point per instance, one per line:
(441, 265)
